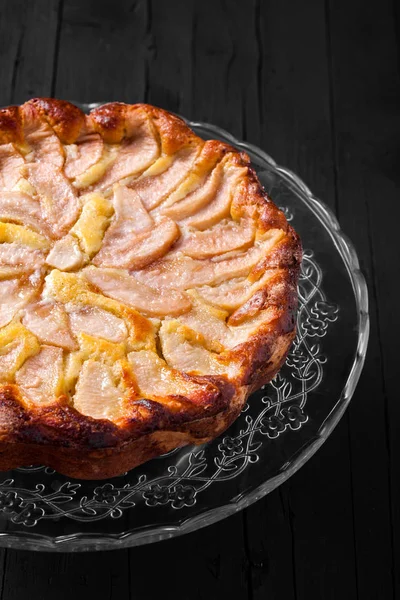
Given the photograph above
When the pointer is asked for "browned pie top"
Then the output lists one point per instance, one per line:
(137, 261)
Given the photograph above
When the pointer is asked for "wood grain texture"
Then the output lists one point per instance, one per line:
(103, 51)
(317, 86)
(270, 547)
(45, 576)
(209, 563)
(169, 76)
(296, 131)
(366, 108)
(28, 44)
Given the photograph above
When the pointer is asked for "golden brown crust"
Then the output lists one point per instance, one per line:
(66, 119)
(10, 125)
(174, 132)
(80, 446)
(110, 121)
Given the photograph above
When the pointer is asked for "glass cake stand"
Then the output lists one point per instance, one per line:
(280, 428)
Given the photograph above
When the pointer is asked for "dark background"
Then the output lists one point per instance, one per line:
(316, 85)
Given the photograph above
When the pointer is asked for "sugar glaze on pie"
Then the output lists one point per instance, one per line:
(147, 286)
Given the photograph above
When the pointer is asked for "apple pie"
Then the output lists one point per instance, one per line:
(148, 285)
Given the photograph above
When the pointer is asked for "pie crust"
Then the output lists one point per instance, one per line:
(148, 285)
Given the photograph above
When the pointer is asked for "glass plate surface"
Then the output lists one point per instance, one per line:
(281, 427)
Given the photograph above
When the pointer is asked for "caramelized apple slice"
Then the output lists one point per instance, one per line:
(82, 155)
(136, 252)
(131, 219)
(154, 189)
(223, 237)
(210, 329)
(195, 200)
(126, 289)
(200, 186)
(155, 379)
(49, 322)
(22, 208)
(76, 292)
(219, 207)
(134, 155)
(11, 162)
(208, 322)
(14, 295)
(44, 144)
(40, 377)
(182, 272)
(98, 323)
(58, 200)
(182, 351)
(66, 255)
(233, 293)
(16, 259)
(97, 394)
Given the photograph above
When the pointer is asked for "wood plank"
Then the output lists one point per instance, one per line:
(226, 57)
(170, 68)
(37, 52)
(209, 564)
(103, 51)
(270, 547)
(11, 30)
(295, 90)
(322, 516)
(296, 131)
(396, 13)
(367, 94)
(27, 56)
(49, 576)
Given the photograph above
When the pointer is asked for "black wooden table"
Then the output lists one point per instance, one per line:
(315, 84)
